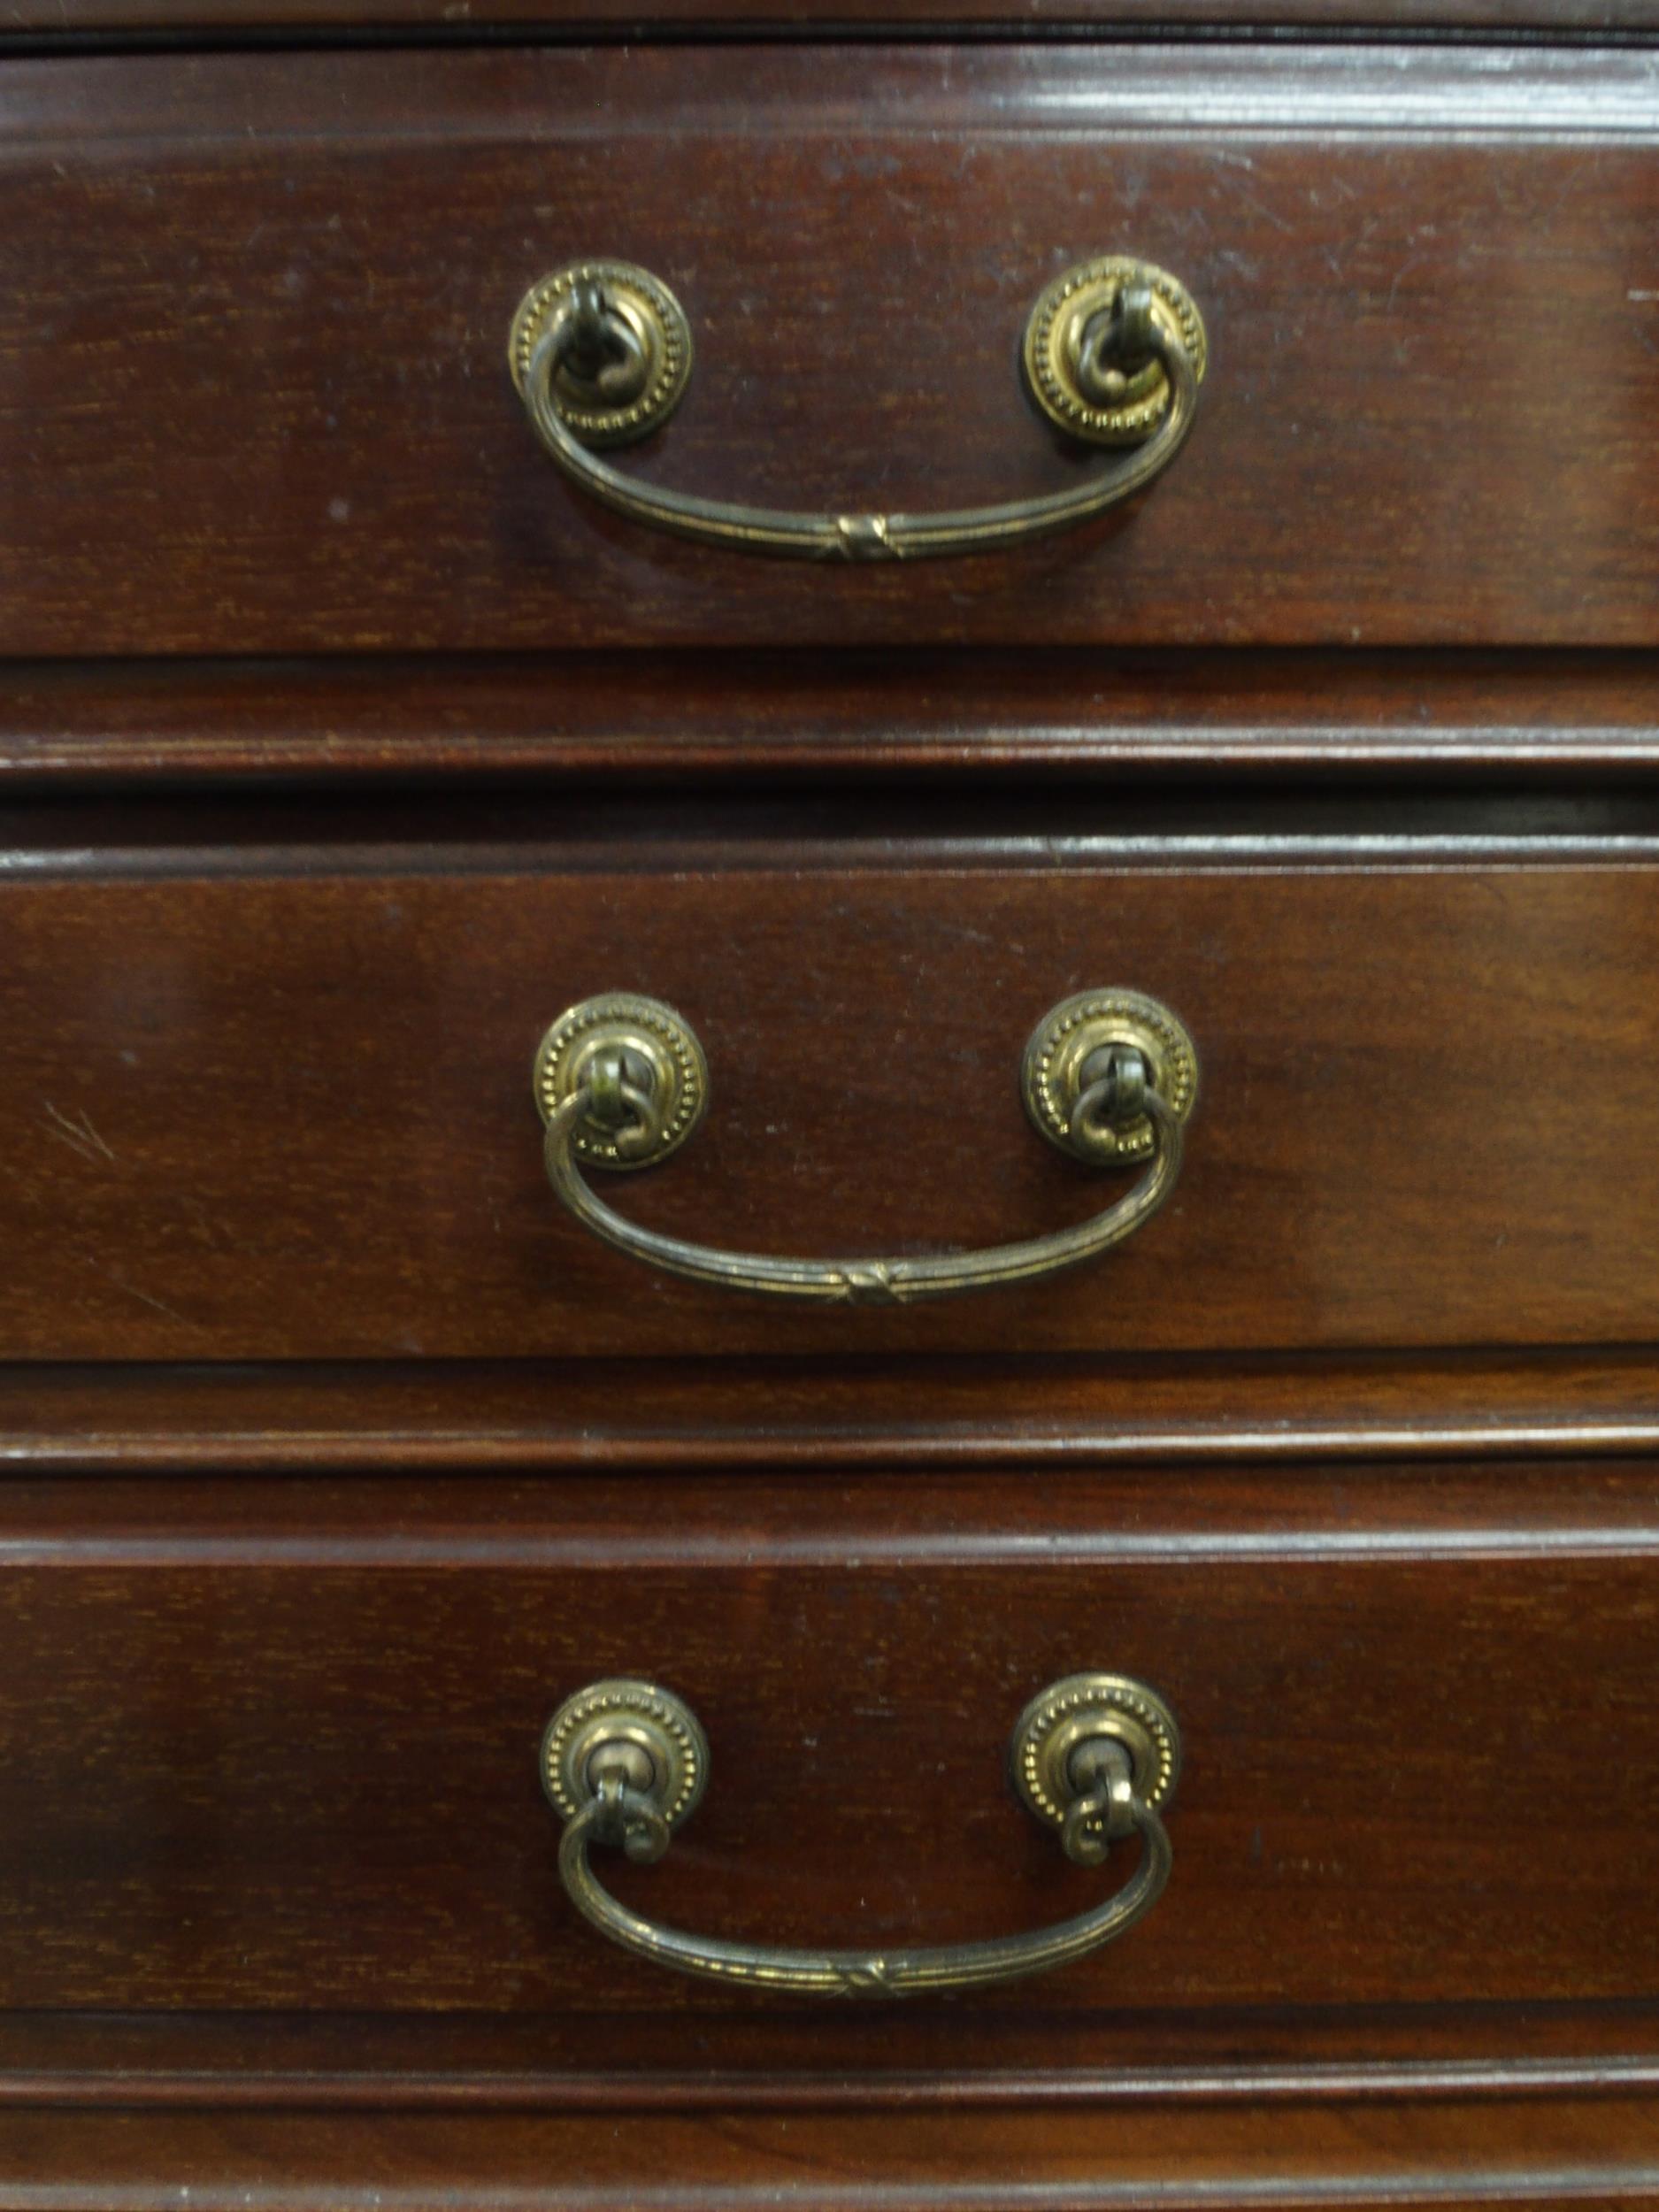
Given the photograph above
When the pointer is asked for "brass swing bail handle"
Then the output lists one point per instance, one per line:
(1115, 351)
(1093, 1757)
(1109, 1076)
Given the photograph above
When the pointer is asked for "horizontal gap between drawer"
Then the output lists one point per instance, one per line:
(520, 834)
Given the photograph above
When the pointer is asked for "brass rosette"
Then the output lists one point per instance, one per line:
(658, 1052)
(628, 1718)
(1054, 348)
(1081, 1710)
(1053, 1078)
(657, 323)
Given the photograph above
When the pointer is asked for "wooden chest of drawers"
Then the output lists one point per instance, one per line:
(527, 1684)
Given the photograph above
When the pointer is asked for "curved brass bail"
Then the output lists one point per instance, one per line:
(1093, 1756)
(1109, 1076)
(1115, 352)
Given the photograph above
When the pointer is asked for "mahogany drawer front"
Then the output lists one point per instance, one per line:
(275, 1746)
(275, 1102)
(254, 393)
(1495, 16)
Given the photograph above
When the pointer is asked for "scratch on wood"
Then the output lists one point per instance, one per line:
(143, 1296)
(78, 1132)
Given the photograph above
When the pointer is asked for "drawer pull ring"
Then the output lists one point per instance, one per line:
(1115, 351)
(1109, 1076)
(1092, 1757)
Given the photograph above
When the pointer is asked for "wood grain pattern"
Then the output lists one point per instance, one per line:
(1034, 1416)
(1365, 717)
(265, 1098)
(908, 2058)
(1355, 1455)
(253, 394)
(64, 21)
(1593, 2153)
(273, 1746)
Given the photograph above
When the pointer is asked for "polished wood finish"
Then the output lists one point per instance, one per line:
(460, 19)
(702, 718)
(295, 1122)
(764, 2057)
(1593, 2151)
(341, 746)
(1040, 1418)
(280, 1739)
(253, 398)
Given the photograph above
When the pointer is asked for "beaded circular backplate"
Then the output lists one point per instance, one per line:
(1054, 333)
(646, 1026)
(1055, 1714)
(636, 1712)
(658, 321)
(1064, 1040)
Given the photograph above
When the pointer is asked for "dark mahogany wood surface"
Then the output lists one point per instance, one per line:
(266, 1088)
(1352, 1454)
(1037, 1418)
(227, 20)
(253, 393)
(1591, 2152)
(908, 2058)
(1502, 719)
(273, 1746)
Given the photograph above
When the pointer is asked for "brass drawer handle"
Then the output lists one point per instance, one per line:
(1093, 1757)
(1109, 1076)
(1115, 351)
